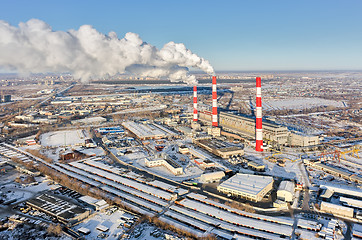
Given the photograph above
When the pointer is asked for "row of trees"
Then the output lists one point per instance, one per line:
(37, 153)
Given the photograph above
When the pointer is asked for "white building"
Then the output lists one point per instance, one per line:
(166, 162)
(251, 187)
(298, 139)
(336, 209)
(212, 177)
(286, 191)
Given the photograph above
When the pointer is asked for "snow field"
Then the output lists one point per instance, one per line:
(62, 138)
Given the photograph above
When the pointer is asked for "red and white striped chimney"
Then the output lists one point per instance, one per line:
(195, 104)
(259, 128)
(214, 102)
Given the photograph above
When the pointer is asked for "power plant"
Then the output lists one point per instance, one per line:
(204, 115)
(251, 127)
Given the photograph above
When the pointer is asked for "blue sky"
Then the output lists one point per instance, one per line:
(232, 35)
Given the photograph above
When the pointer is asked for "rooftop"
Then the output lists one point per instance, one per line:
(251, 184)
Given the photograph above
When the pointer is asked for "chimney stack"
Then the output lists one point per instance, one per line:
(259, 128)
(195, 104)
(214, 102)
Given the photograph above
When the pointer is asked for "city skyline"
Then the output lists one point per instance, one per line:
(233, 36)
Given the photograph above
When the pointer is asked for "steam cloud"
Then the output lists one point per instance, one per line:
(34, 47)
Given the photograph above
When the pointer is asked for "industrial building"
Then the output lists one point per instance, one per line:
(148, 131)
(110, 130)
(66, 212)
(286, 191)
(351, 202)
(337, 172)
(219, 148)
(204, 163)
(256, 166)
(336, 209)
(212, 177)
(299, 139)
(250, 187)
(165, 161)
(245, 126)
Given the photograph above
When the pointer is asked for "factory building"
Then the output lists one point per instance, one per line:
(66, 212)
(298, 139)
(250, 187)
(245, 126)
(148, 131)
(219, 148)
(336, 209)
(165, 161)
(286, 191)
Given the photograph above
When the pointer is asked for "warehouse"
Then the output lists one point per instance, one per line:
(336, 209)
(148, 131)
(286, 191)
(351, 202)
(250, 187)
(219, 148)
(337, 172)
(64, 211)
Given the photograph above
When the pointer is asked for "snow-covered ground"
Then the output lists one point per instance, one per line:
(112, 221)
(146, 231)
(23, 192)
(299, 103)
(63, 138)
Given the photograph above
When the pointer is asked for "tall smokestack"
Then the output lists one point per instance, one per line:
(259, 128)
(195, 104)
(214, 102)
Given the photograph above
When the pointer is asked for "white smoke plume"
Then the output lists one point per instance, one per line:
(33, 47)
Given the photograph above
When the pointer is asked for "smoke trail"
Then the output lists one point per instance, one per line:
(33, 47)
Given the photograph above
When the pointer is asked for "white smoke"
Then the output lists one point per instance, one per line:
(34, 47)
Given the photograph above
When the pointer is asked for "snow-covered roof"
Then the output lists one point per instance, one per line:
(352, 202)
(336, 206)
(343, 189)
(251, 184)
(286, 186)
(88, 199)
(212, 175)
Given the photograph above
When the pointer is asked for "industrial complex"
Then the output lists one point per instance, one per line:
(207, 160)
